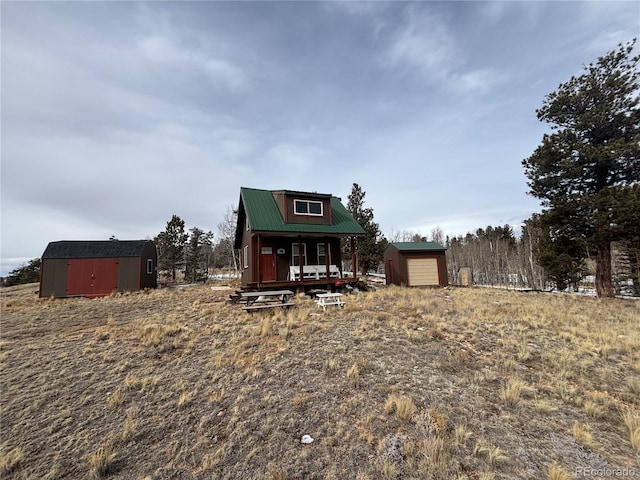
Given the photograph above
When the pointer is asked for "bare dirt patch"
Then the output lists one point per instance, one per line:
(401, 383)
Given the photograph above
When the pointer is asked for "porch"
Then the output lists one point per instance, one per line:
(299, 262)
(301, 285)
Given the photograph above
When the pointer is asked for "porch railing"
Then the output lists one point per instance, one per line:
(313, 272)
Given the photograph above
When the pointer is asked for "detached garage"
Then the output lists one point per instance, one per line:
(416, 264)
(97, 268)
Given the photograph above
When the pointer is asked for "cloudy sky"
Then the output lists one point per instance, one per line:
(117, 115)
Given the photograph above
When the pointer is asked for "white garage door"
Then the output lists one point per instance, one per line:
(422, 271)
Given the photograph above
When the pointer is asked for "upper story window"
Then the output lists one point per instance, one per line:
(307, 207)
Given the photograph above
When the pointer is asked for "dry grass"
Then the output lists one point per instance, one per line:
(10, 460)
(401, 405)
(557, 472)
(631, 420)
(583, 435)
(512, 392)
(401, 383)
(100, 462)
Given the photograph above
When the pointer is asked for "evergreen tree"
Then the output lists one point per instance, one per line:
(580, 170)
(371, 246)
(171, 246)
(561, 257)
(198, 254)
(27, 273)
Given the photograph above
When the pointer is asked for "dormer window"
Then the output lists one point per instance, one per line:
(307, 207)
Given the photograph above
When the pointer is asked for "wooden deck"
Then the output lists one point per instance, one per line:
(297, 285)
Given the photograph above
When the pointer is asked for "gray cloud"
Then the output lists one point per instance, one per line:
(117, 115)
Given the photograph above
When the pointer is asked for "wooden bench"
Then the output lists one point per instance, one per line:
(313, 272)
(266, 299)
(325, 299)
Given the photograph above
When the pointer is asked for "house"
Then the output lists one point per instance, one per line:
(292, 239)
(97, 268)
(416, 264)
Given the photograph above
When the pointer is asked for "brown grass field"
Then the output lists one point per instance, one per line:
(402, 383)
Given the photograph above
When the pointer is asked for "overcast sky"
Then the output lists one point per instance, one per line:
(117, 115)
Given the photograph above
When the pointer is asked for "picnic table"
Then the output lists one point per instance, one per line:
(266, 299)
(325, 299)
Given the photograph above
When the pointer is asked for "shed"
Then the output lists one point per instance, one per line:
(97, 268)
(416, 264)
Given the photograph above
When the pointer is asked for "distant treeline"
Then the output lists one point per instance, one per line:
(26, 273)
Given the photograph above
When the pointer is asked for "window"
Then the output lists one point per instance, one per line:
(307, 207)
(245, 256)
(149, 266)
(322, 258)
(295, 256)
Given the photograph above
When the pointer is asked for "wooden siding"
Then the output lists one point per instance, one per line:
(129, 274)
(148, 279)
(292, 217)
(285, 202)
(53, 277)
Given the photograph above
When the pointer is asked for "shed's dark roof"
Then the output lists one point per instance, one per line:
(416, 246)
(95, 249)
(264, 215)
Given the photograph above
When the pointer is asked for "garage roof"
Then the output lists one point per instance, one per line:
(417, 246)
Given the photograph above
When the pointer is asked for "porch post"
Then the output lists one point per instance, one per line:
(300, 257)
(258, 269)
(327, 254)
(353, 257)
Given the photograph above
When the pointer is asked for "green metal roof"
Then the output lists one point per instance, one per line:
(264, 216)
(405, 246)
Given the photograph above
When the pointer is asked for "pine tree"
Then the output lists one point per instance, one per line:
(27, 273)
(171, 246)
(198, 254)
(372, 245)
(581, 169)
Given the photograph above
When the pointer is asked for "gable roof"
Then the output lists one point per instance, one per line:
(263, 214)
(95, 248)
(416, 246)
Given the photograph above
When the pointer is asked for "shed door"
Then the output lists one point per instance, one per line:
(422, 271)
(92, 276)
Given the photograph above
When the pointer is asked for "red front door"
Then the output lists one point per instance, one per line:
(267, 263)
